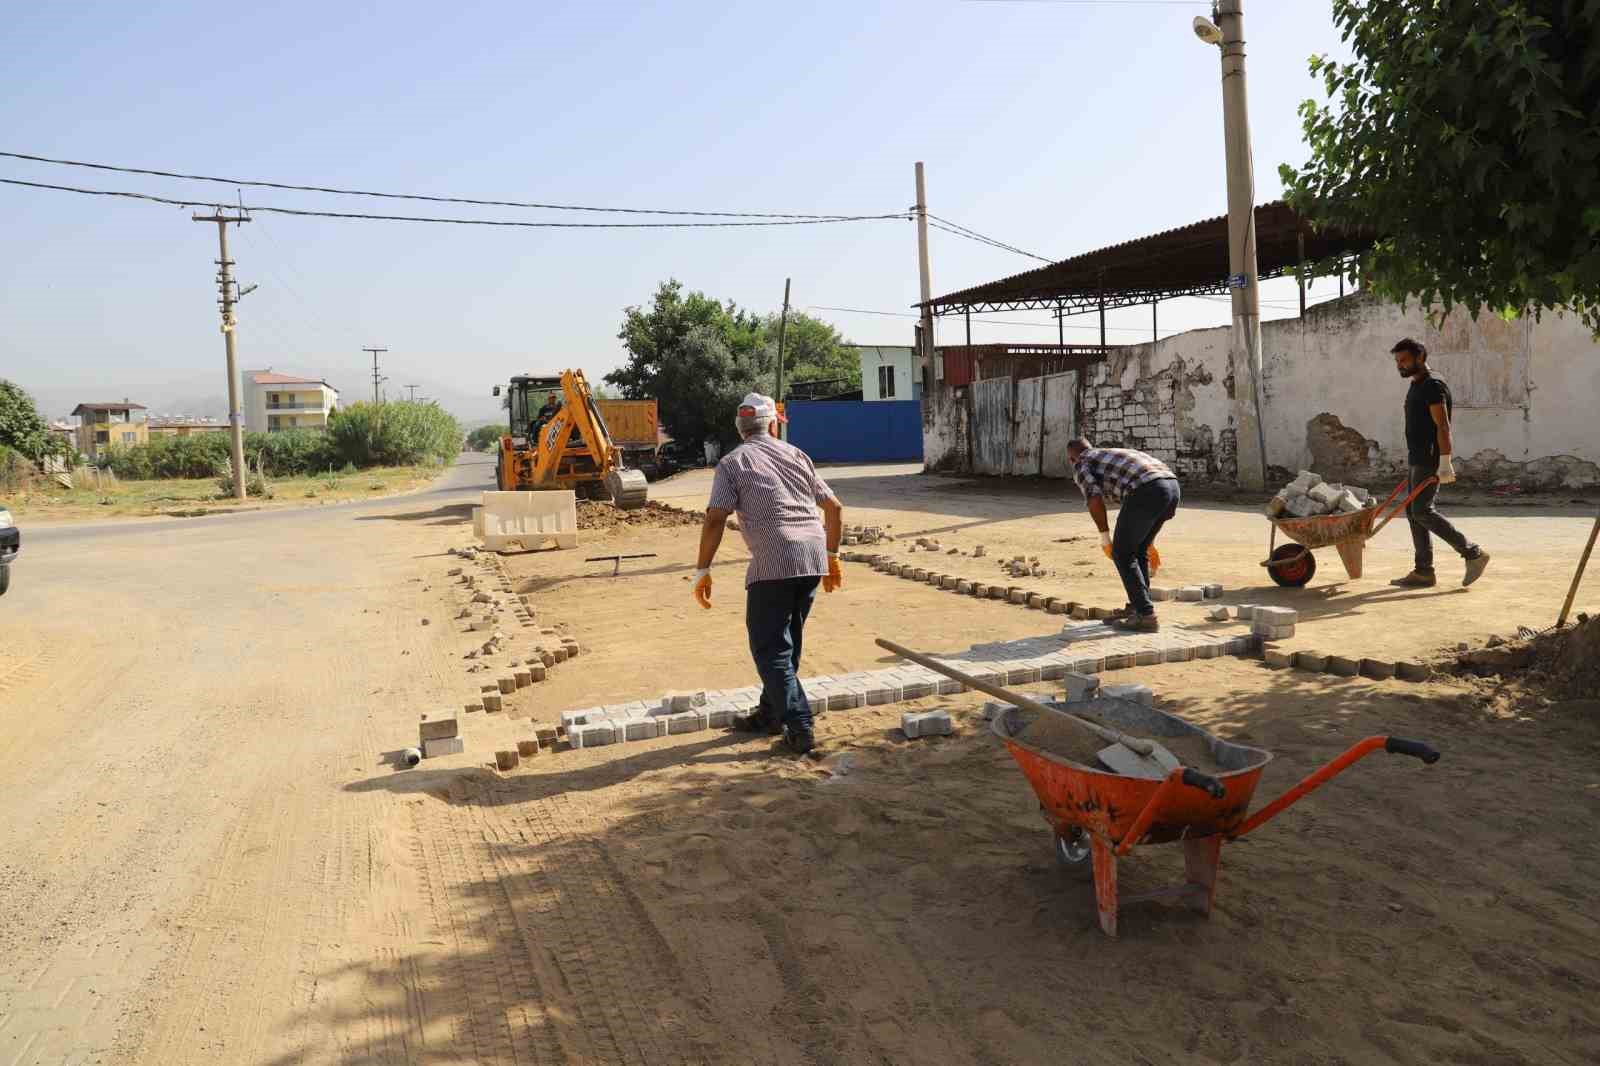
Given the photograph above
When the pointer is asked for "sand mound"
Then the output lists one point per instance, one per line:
(598, 515)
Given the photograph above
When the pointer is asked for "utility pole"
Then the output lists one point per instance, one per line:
(376, 379)
(412, 389)
(927, 284)
(225, 286)
(783, 328)
(1242, 280)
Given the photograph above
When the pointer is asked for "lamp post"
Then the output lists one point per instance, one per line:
(1245, 348)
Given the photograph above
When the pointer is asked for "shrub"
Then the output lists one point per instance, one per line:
(401, 433)
(486, 438)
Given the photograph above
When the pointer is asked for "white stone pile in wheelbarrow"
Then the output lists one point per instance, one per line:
(1309, 495)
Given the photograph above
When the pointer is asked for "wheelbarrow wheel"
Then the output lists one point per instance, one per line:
(1074, 855)
(1292, 566)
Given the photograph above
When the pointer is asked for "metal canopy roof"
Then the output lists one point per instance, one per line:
(1188, 261)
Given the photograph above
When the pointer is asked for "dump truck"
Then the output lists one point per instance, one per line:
(635, 426)
(572, 449)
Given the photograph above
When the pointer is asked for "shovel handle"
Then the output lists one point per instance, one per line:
(1110, 736)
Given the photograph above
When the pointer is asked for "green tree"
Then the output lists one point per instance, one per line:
(813, 350)
(485, 438)
(21, 426)
(1466, 134)
(398, 433)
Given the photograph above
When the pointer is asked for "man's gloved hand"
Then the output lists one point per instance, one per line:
(702, 588)
(835, 578)
(1105, 542)
(1447, 469)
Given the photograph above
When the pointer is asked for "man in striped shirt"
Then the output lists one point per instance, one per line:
(1149, 493)
(775, 490)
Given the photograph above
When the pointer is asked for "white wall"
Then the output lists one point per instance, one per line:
(907, 378)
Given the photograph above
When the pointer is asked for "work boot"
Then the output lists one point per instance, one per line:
(1419, 579)
(799, 739)
(1475, 567)
(1136, 623)
(755, 720)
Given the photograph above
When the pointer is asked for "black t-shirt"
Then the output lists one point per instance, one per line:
(1422, 436)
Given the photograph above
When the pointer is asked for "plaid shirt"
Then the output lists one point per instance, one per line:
(1115, 472)
(774, 488)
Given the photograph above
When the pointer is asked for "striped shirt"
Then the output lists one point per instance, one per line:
(774, 489)
(1115, 472)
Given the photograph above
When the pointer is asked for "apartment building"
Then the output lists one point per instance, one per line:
(275, 402)
(103, 426)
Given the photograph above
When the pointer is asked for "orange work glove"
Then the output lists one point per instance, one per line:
(1153, 557)
(835, 578)
(702, 588)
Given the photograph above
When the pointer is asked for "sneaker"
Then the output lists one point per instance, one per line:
(799, 740)
(1475, 568)
(1418, 579)
(1135, 623)
(755, 720)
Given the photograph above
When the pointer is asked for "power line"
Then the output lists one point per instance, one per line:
(1103, 3)
(416, 196)
(453, 221)
(964, 231)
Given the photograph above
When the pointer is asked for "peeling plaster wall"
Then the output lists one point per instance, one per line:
(1526, 397)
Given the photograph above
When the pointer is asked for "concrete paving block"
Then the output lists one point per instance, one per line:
(1276, 616)
(639, 729)
(1017, 595)
(1218, 614)
(846, 701)
(1212, 591)
(1191, 594)
(916, 690)
(1245, 612)
(1036, 600)
(1160, 595)
(507, 685)
(993, 710)
(559, 654)
(1278, 659)
(918, 573)
(438, 728)
(474, 706)
(951, 583)
(949, 686)
(964, 587)
(1100, 614)
(718, 717)
(689, 722)
(927, 724)
(1147, 657)
(432, 749)
(1412, 671)
(1088, 664)
(523, 678)
(1122, 661)
(1240, 645)
(1377, 669)
(998, 592)
(592, 735)
(1266, 632)
(1208, 651)
(506, 760)
(880, 693)
(1081, 686)
(1059, 607)
(1343, 666)
(1314, 661)
(527, 749)
(1136, 693)
(1021, 674)
(492, 702)
(546, 737)
(1052, 670)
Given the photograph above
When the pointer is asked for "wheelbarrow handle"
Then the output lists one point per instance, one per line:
(1358, 751)
(1416, 490)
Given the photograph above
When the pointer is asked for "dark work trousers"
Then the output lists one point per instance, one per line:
(1425, 519)
(1144, 511)
(775, 617)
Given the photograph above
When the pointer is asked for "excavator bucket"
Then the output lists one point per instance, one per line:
(628, 489)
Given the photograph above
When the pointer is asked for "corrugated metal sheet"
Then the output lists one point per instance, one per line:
(958, 366)
(991, 426)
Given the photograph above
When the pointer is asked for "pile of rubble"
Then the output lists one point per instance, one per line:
(866, 535)
(1309, 495)
(1023, 566)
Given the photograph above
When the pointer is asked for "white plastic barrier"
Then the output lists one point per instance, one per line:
(527, 519)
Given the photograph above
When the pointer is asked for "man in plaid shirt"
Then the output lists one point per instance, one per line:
(1148, 490)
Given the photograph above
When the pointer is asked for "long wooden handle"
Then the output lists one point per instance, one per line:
(1572, 593)
(1110, 736)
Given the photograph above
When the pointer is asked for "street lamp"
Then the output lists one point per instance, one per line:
(1226, 29)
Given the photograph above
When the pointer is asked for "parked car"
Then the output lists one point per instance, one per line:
(680, 455)
(10, 545)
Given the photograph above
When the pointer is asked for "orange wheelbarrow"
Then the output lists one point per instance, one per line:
(1292, 565)
(1097, 817)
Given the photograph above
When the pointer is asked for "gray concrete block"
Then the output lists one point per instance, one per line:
(718, 717)
(1036, 600)
(845, 701)
(927, 724)
(1208, 651)
(1377, 669)
(1191, 594)
(491, 702)
(1017, 596)
(949, 686)
(951, 583)
(1240, 645)
(1160, 595)
(438, 728)
(1177, 653)
(1051, 670)
(1343, 666)
(1278, 659)
(1088, 664)
(998, 592)
(1412, 671)
(523, 678)
(507, 760)
(591, 735)
(1121, 661)
(1136, 693)
(919, 574)
(1277, 616)
(432, 749)
(1218, 614)
(1020, 674)
(639, 728)
(1147, 657)
(1245, 612)
(1212, 591)
(1059, 607)
(1078, 611)
(964, 587)
(1081, 686)
(916, 690)
(1314, 661)
(476, 705)
(1266, 632)
(688, 722)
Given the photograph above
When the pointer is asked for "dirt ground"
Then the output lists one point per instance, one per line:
(210, 856)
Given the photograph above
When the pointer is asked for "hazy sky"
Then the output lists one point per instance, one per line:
(1057, 127)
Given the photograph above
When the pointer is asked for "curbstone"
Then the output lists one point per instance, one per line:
(1377, 669)
(506, 760)
(690, 722)
(1059, 607)
(1036, 601)
(1177, 653)
(1267, 632)
(592, 735)
(1160, 595)
(1208, 651)
(432, 749)
(523, 678)
(507, 685)
(640, 729)
(998, 592)
(1314, 661)
(964, 587)
(1021, 675)
(1413, 671)
(1343, 666)
(1118, 662)
(1081, 686)
(1240, 645)
(927, 724)
(1017, 595)
(438, 728)
(546, 738)
(1191, 594)
(1278, 659)
(1136, 693)
(471, 707)
(491, 702)
(1147, 657)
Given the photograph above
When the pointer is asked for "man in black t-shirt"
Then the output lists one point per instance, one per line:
(1428, 410)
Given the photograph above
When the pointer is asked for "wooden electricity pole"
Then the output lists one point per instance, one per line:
(225, 287)
(376, 379)
(926, 281)
(783, 328)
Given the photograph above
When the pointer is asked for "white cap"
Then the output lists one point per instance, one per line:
(755, 405)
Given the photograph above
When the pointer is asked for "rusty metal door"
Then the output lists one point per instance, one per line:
(1060, 422)
(991, 426)
(1027, 442)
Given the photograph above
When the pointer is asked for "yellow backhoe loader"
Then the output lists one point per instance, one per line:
(569, 448)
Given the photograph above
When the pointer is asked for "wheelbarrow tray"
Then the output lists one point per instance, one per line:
(1321, 530)
(1108, 804)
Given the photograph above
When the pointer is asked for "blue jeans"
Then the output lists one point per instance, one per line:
(775, 617)
(1144, 511)
(1425, 519)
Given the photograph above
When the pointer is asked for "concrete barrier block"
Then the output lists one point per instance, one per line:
(432, 749)
(526, 520)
